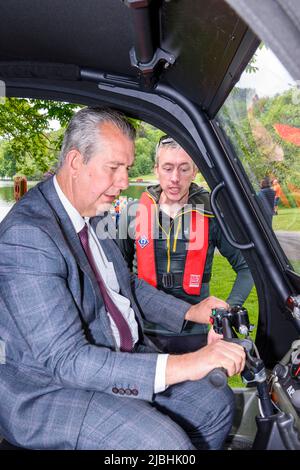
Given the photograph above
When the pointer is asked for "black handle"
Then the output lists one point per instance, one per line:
(213, 201)
(218, 377)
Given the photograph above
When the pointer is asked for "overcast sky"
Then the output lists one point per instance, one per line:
(271, 77)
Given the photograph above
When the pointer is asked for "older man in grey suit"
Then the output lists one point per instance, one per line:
(77, 372)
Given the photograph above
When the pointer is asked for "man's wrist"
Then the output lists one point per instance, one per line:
(177, 369)
(190, 314)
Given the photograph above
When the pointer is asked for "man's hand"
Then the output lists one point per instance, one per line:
(196, 365)
(212, 336)
(200, 313)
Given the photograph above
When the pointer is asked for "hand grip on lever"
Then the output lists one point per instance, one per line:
(218, 377)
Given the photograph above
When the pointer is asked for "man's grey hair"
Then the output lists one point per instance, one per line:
(84, 132)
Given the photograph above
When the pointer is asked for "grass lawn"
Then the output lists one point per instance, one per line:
(287, 219)
(222, 279)
(296, 265)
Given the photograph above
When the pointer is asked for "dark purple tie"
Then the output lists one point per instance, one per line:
(126, 342)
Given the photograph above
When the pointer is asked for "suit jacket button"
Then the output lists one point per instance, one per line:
(128, 391)
(134, 392)
(115, 390)
(121, 391)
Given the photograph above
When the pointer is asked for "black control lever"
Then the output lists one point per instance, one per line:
(228, 322)
(218, 377)
(222, 321)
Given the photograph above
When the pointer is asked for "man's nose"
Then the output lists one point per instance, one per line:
(175, 175)
(123, 181)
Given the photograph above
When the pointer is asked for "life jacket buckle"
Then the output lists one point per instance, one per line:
(168, 280)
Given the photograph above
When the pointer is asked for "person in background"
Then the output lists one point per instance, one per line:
(78, 371)
(266, 195)
(278, 192)
(117, 211)
(161, 253)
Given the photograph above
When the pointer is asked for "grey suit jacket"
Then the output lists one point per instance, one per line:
(59, 348)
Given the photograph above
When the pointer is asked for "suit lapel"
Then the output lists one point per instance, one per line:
(71, 237)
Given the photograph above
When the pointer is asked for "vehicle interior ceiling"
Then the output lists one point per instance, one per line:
(137, 56)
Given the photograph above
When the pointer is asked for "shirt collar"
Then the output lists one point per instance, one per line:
(76, 219)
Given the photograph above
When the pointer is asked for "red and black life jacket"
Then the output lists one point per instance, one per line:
(195, 254)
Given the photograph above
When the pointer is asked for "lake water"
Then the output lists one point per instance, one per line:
(7, 194)
(135, 190)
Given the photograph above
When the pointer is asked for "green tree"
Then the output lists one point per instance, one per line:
(7, 161)
(281, 109)
(146, 141)
(250, 122)
(33, 145)
(26, 125)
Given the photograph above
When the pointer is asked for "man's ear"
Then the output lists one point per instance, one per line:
(195, 172)
(156, 169)
(74, 161)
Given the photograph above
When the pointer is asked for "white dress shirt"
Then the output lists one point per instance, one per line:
(108, 274)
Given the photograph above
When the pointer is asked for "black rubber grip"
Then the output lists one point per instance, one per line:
(218, 377)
